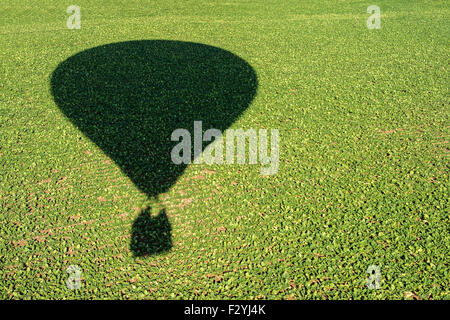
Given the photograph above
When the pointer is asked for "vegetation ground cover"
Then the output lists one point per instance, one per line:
(363, 178)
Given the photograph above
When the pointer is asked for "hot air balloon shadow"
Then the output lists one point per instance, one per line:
(129, 97)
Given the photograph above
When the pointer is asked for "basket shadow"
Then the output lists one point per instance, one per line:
(129, 97)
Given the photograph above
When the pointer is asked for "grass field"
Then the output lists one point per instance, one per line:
(363, 180)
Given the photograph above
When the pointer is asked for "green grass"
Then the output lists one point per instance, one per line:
(363, 179)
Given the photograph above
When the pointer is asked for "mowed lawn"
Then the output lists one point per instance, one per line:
(363, 117)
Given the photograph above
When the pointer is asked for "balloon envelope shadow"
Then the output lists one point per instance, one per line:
(129, 97)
